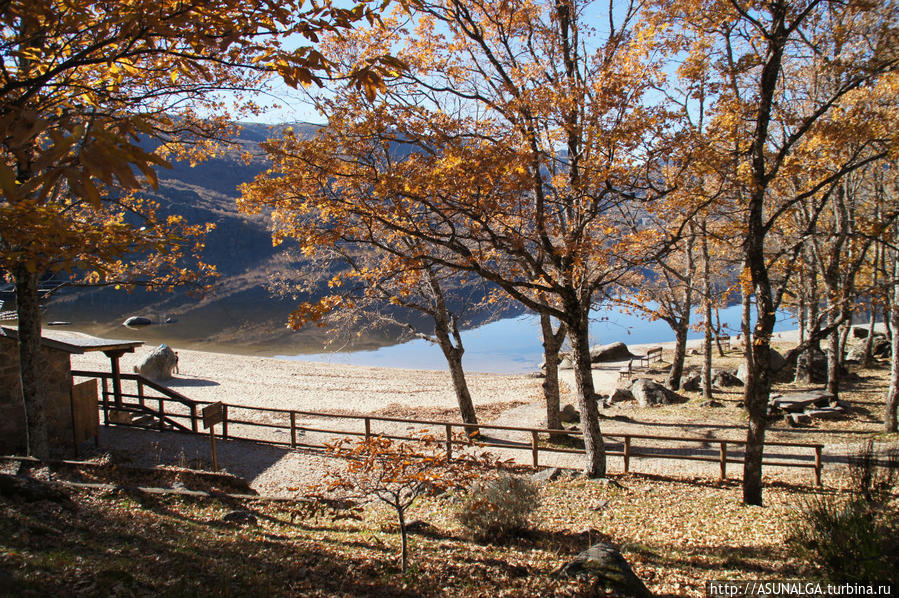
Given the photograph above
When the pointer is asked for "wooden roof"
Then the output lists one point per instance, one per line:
(76, 342)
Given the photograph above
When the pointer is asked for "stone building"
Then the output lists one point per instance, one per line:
(56, 349)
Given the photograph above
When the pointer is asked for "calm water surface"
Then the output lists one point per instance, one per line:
(514, 345)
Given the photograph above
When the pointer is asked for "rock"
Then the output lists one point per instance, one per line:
(799, 401)
(741, 373)
(609, 571)
(608, 483)
(856, 353)
(796, 420)
(546, 475)
(826, 413)
(620, 394)
(598, 505)
(240, 517)
(159, 364)
(566, 363)
(137, 321)
(880, 347)
(711, 403)
(858, 332)
(612, 352)
(419, 526)
(569, 414)
(691, 382)
(32, 490)
(650, 393)
(777, 361)
(723, 379)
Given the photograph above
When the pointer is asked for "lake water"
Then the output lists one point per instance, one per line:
(513, 345)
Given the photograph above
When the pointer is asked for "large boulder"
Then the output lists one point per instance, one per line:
(612, 352)
(619, 395)
(137, 321)
(159, 364)
(724, 378)
(856, 353)
(691, 382)
(777, 361)
(880, 347)
(777, 364)
(650, 393)
(569, 414)
(608, 571)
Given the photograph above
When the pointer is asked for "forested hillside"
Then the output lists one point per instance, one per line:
(242, 310)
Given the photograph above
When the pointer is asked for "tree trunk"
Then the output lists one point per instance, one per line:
(404, 551)
(707, 304)
(583, 376)
(706, 377)
(453, 354)
(29, 312)
(680, 353)
(890, 419)
(869, 340)
(833, 358)
(755, 398)
(718, 332)
(552, 343)
(809, 288)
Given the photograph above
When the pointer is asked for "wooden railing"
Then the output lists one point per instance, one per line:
(142, 384)
(625, 445)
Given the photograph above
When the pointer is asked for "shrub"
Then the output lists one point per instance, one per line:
(499, 508)
(872, 473)
(846, 540)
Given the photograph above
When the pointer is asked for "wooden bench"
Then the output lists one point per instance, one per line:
(626, 372)
(724, 339)
(654, 354)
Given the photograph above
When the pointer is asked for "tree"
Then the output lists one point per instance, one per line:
(82, 84)
(398, 473)
(790, 81)
(535, 149)
(375, 277)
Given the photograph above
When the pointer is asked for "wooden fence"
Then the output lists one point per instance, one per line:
(239, 421)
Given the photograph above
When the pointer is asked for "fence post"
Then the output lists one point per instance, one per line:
(293, 430)
(161, 412)
(535, 448)
(193, 418)
(140, 392)
(723, 460)
(367, 428)
(449, 442)
(818, 466)
(627, 454)
(224, 422)
(105, 402)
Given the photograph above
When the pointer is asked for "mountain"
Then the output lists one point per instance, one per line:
(242, 314)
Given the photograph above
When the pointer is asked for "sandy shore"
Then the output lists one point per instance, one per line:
(501, 399)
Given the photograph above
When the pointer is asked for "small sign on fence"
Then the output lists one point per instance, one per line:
(213, 414)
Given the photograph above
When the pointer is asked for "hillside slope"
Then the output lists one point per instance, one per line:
(241, 313)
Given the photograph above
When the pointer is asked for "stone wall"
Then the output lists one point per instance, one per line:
(57, 373)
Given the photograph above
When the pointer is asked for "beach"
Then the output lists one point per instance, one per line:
(346, 391)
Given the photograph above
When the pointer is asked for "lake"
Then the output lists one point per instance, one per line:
(513, 345)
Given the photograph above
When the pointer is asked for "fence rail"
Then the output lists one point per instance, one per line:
(174, 408)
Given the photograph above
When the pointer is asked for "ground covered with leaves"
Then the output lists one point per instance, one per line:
(676, 533)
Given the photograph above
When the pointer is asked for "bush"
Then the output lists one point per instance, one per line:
(872, 474)
(498, 509)
(847, 540)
